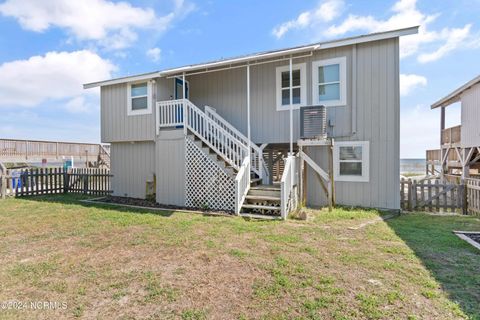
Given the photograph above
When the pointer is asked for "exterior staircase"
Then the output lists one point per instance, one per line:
(262, 201)
(104, 157)
(226, 167)
(239, 158)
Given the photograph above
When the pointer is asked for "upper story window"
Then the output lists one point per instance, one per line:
(139, 98)
(351, 161)
(329, 81)
(298, 86)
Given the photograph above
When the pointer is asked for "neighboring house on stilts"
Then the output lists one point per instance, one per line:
(459, 153)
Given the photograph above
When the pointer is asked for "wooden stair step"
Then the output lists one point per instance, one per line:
(267, 188)
(260, 216)
(262, 207)
(260, 197)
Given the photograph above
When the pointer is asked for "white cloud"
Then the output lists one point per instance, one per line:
(325, 11)
(406, 14)
(111, 24)
(154, 54)
(454, 39)
(409, 82)
(56, 76)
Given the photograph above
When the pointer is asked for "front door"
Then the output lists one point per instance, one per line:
(179, 89)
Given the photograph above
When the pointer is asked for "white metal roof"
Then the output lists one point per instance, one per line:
(259, 56)
(455, 95)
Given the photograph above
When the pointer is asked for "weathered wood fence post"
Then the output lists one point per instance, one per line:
(3, 186)
(65, 180)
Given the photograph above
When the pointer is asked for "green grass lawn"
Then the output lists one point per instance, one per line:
(106, 262)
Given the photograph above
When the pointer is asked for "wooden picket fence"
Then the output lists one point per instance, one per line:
(432, 196)
(29, 182)
(473, 196)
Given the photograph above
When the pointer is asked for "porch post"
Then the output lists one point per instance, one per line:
(248, 111)
(442, 127)
(291, 108)
(184, 105)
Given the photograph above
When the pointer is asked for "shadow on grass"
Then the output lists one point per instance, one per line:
(454, 263)
(75, 199)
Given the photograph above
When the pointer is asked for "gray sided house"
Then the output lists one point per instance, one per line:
(459, 153)
(226, 134)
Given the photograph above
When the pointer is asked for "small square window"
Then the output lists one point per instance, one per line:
(329, 82)
(139, 98)
(298, 86)
(351, 161)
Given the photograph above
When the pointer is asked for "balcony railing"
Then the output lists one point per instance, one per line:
(434, 155)
(452, 135)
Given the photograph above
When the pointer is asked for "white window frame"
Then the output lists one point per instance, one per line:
(365, 177)
(131, 112)
(303, 86)
(342, 62)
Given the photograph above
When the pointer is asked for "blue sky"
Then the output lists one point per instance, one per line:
(49, 48)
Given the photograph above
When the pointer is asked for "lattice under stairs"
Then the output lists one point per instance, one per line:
(228, 169)
(262, 201)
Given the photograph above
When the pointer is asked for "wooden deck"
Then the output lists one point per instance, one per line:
(12, 150)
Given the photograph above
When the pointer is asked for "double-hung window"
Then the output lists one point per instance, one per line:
(298, 87)
(139, 98)
(351, 161)
(329, 82)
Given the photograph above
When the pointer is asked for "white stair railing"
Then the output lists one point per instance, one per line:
(175, 113)
(258, 164)
(169, 114)
(242, 184)
(218, 139)
(288, 182)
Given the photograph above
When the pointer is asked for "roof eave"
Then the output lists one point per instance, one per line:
(260, 56)
(140, 77)
(455, 95)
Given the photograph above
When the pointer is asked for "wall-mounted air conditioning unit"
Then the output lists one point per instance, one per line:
(313, 122)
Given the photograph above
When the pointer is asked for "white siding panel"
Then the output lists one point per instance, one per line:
(471, 117)
(170, 167)
(132, 165)
(116, 125)
(378, 114)
(226, 91)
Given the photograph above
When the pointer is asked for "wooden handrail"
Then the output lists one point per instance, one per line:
(258, 163)
(451, 135)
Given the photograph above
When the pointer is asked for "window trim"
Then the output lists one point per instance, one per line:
(148, 110)
(365, 177)
(342, 62)
(303, 86)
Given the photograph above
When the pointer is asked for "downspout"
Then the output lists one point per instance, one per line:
(184, 105)
(354, 90)
(291, 107)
